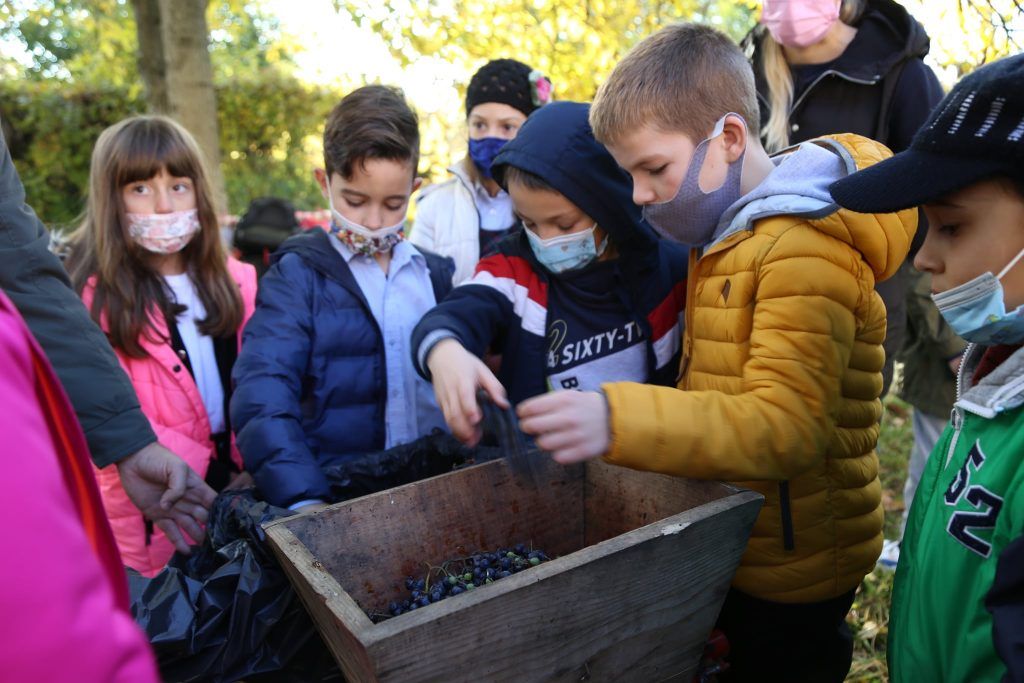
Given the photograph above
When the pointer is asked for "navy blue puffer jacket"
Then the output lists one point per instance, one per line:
(311, 378)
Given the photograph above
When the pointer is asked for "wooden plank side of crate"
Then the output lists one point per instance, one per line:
(370, 544)
(337, 617)
(637, 607)
(618, 499)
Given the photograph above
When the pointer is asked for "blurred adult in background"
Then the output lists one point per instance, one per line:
(825, 66)
(855, 66)
(467, 215)
(157, 481)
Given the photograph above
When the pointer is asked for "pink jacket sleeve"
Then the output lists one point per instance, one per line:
(60, 619)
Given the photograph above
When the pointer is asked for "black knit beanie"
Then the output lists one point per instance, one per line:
(505, 81)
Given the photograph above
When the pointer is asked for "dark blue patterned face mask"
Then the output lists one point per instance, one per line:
(483, 151)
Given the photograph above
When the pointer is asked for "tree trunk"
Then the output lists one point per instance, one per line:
(151, 62)
(174, 60)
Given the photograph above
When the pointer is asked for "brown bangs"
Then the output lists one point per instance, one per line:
(147, 147)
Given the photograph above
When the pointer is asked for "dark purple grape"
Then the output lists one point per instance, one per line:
(456, 590)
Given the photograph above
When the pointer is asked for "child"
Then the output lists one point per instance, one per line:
(957, 605)
(585, 294)
(782, 359)
(466, 216)
(149, 265)
(325, 373)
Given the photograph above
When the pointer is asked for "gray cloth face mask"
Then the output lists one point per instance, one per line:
(693, 214)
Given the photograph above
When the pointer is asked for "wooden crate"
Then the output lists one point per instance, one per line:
(642, 564)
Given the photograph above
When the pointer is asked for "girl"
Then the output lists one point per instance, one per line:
(149, 264)
(466, 216)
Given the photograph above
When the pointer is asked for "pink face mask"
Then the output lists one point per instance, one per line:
(163, 233)
(799, 23)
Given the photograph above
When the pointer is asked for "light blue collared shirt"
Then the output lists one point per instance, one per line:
(398, 299)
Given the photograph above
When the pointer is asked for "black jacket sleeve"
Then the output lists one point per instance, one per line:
(1005, 602)
(36, 282)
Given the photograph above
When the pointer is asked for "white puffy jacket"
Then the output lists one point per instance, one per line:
(448, 222)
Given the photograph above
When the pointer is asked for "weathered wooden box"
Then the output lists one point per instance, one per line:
(642, 564)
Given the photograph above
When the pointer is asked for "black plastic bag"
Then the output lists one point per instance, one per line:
(228, 612)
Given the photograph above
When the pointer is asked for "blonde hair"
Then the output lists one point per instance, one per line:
(780, 80)
(681, 79)
(128, 290)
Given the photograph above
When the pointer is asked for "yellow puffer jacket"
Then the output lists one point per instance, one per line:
(781, 376)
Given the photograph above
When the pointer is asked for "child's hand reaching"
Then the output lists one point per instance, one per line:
(457, 374)
(571, 425)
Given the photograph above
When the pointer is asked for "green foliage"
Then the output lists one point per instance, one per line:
(269, 127)
(576, 44)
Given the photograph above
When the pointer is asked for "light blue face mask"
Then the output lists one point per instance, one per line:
(566, 252)
(976, 310)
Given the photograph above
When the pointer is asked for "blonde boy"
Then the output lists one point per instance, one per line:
(782, 358)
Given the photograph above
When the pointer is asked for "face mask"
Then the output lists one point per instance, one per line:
(566, 252)
(693, 214)
(360, 239)
(799, 23)
(976, 310)
(483, 151)
(163, 233)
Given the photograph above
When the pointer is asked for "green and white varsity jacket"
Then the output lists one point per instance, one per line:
(958, 603)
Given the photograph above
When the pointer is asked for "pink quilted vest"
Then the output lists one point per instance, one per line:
(170, 399)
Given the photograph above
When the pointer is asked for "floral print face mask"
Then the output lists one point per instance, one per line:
(163, 233)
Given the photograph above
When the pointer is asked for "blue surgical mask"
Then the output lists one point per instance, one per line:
(693, 214)
(483, 151)
(976, 310)
(566, 252)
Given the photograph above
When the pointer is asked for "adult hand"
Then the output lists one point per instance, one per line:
(457, 374)
(571, 425)
(168, 492)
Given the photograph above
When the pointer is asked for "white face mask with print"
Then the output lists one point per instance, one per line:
(163, 233)
(359, 238)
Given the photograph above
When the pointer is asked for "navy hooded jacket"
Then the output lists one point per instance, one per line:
(311, 379)
(504, 307)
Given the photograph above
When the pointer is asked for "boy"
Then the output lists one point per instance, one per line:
(958, 601)
(324, 372)
(585, 294)
(782, 358)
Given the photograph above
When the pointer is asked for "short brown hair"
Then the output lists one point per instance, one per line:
(681, 79)
(372, 122)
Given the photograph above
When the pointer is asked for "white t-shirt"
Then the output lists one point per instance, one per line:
(200, 349)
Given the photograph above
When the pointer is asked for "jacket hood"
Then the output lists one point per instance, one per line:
(886, 36)
(999, 391)
(557, 145)
(798, 188)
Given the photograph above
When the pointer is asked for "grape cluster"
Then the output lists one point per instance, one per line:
(462, 574)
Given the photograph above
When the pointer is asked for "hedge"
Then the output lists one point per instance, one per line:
(270, 138)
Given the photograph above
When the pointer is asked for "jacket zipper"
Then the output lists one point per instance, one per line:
(787, 516)
(691, 288)
(956, 416)
(830, 72)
